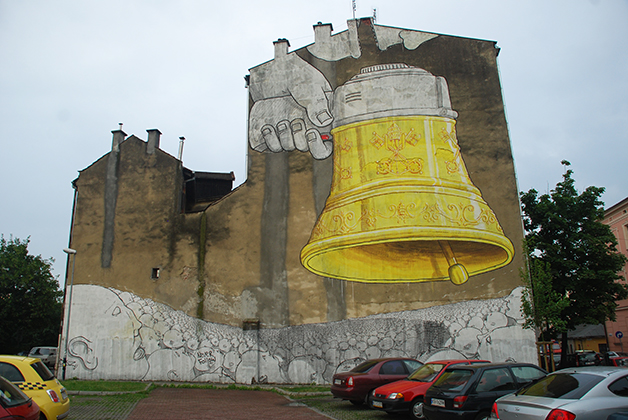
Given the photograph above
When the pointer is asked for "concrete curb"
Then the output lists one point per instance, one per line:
(108, 392)
(192, 384)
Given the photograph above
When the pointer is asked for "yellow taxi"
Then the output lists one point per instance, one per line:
(33, 377)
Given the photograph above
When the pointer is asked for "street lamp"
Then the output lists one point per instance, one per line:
(68, 251)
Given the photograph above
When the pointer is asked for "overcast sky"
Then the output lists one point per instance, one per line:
(71, 70)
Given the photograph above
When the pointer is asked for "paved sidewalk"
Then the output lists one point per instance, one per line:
(209, 404)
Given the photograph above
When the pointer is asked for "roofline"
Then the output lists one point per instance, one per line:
(616, 206)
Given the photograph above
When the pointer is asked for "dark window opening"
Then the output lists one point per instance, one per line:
(154, 274)
(200, 189)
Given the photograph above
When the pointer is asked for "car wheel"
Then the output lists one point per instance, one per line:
(369, 399)
(356, 402)
(416, 409)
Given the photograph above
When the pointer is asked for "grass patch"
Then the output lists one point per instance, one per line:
(108, 386)
(305, 388)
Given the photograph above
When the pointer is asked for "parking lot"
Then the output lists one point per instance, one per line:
(191, 404)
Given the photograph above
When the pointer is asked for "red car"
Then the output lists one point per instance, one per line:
(619, 361)
(14, 404)
(357, 384)
(407, 395)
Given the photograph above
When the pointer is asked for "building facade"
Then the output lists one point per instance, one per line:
(616, 217)
(380, 217)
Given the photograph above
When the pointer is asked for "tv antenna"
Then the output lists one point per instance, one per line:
(354, 7)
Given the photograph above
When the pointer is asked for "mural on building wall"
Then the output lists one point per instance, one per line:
(402, 206)
(128, 337)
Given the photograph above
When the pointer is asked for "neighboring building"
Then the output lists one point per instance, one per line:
(407, 242)
(587, 337)
(617, 218)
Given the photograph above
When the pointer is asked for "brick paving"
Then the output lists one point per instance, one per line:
(102, 407)
(209, 404)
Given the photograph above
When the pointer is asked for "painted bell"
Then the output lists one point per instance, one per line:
(402, 207)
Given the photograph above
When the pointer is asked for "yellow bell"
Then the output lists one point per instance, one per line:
(402, 207)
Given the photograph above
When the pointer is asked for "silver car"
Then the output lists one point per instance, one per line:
(582, 393)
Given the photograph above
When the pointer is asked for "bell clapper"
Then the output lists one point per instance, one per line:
(457, 272)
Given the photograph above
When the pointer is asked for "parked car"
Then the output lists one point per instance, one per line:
(14, 404)
(407, 394)
(48, 355)
(357, 384)
(465, 392)
(35, 379)
(618, 361)
(582, 358)
(616, 354)
(583, 393)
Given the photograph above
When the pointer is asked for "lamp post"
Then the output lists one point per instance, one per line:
(68, 251)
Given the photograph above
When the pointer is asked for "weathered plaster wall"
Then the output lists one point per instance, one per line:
(143, 230)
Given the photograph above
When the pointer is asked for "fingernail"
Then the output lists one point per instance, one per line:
(296, 127)
(323, 117)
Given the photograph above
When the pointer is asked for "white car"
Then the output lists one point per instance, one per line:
(582, 393)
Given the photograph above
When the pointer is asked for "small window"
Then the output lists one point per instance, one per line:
(394, 367)
(154, 274)
(453, 380)
(412, 365)
(493, 380)
(527, 374)
(10, 372)
(619, 387)
(43, 372)
(562, 385)
(364, 366)
(10, 395)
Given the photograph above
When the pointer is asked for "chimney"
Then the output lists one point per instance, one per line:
(118, 137)
(153, 141)
(322, 33)
(181, 140)
(281, 48)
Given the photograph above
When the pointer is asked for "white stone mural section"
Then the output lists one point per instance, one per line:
(118, 335)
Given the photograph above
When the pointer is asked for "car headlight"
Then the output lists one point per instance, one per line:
(395, 396)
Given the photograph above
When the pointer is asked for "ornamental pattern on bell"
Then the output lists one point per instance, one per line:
(396, 141)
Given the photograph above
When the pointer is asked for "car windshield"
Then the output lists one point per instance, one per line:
(364, 366)
(427, 372)
(43, 372)
(453, 380)
(10, 395)
(562, 385)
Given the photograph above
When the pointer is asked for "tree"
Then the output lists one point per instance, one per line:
(542, 305)
(30, 299)
(564, 231)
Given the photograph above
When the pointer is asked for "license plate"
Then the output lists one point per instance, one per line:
(378, 404)
(337, 382)
(437, 402)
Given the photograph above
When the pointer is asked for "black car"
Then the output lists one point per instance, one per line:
(467, 392)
